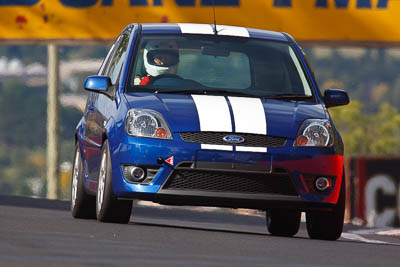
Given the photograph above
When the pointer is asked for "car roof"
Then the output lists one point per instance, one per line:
(194, 28)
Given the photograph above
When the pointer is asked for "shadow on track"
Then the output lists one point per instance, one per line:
(40, 203)
(181, 218)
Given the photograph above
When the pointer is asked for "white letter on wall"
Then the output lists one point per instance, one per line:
(388, 187)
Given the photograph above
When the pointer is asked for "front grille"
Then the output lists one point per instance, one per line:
(231, 182)
(216, 138)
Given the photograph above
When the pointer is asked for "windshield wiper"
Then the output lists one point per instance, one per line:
(183, 91)
(289, 96)
(204, 92)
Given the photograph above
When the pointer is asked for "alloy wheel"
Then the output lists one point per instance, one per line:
(102, 178)
(74, 188)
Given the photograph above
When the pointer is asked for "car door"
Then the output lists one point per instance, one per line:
(103, 106)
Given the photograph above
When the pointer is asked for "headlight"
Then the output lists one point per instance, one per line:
(315, 132)
(147, 123)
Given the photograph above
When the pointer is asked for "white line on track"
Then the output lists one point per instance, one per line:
(393, 232)
(369, 231)
(356, 237)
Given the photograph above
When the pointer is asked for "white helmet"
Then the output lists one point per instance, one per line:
(168, 49)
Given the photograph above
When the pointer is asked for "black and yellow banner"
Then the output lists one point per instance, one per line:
(340, 21)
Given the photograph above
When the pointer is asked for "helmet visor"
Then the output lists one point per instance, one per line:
(163, 57)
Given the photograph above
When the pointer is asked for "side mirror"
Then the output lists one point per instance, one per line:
(335, 97)
(97, 84)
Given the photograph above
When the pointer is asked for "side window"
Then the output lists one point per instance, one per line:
(118, 58)
(107, 59)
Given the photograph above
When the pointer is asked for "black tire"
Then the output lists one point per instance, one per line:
(108, 207)
(83, 206)
(283, 222)
(328, 225)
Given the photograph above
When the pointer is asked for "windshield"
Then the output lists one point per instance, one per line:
(206, 63)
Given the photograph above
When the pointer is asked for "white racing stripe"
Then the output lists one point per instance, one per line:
(214, 116)
(251, 149)
(196, 28)
(249, 117)
(216, 147)
(209, 29)
(232, 31)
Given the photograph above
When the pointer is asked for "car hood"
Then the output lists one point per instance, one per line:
(186, 113)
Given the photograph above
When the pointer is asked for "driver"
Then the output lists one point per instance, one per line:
(160, 57)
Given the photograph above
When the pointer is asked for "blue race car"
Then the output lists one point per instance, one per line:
(211, 115)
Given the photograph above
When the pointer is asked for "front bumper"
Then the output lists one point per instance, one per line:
(281, 177)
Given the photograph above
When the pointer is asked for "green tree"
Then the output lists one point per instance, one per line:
(376, 134)
(23, 136)
(23, 114)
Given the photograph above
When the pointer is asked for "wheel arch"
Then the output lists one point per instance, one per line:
(110, 134)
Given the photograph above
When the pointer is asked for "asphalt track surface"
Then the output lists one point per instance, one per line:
(37, 232)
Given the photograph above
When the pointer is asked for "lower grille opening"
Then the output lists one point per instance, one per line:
(231, 182)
